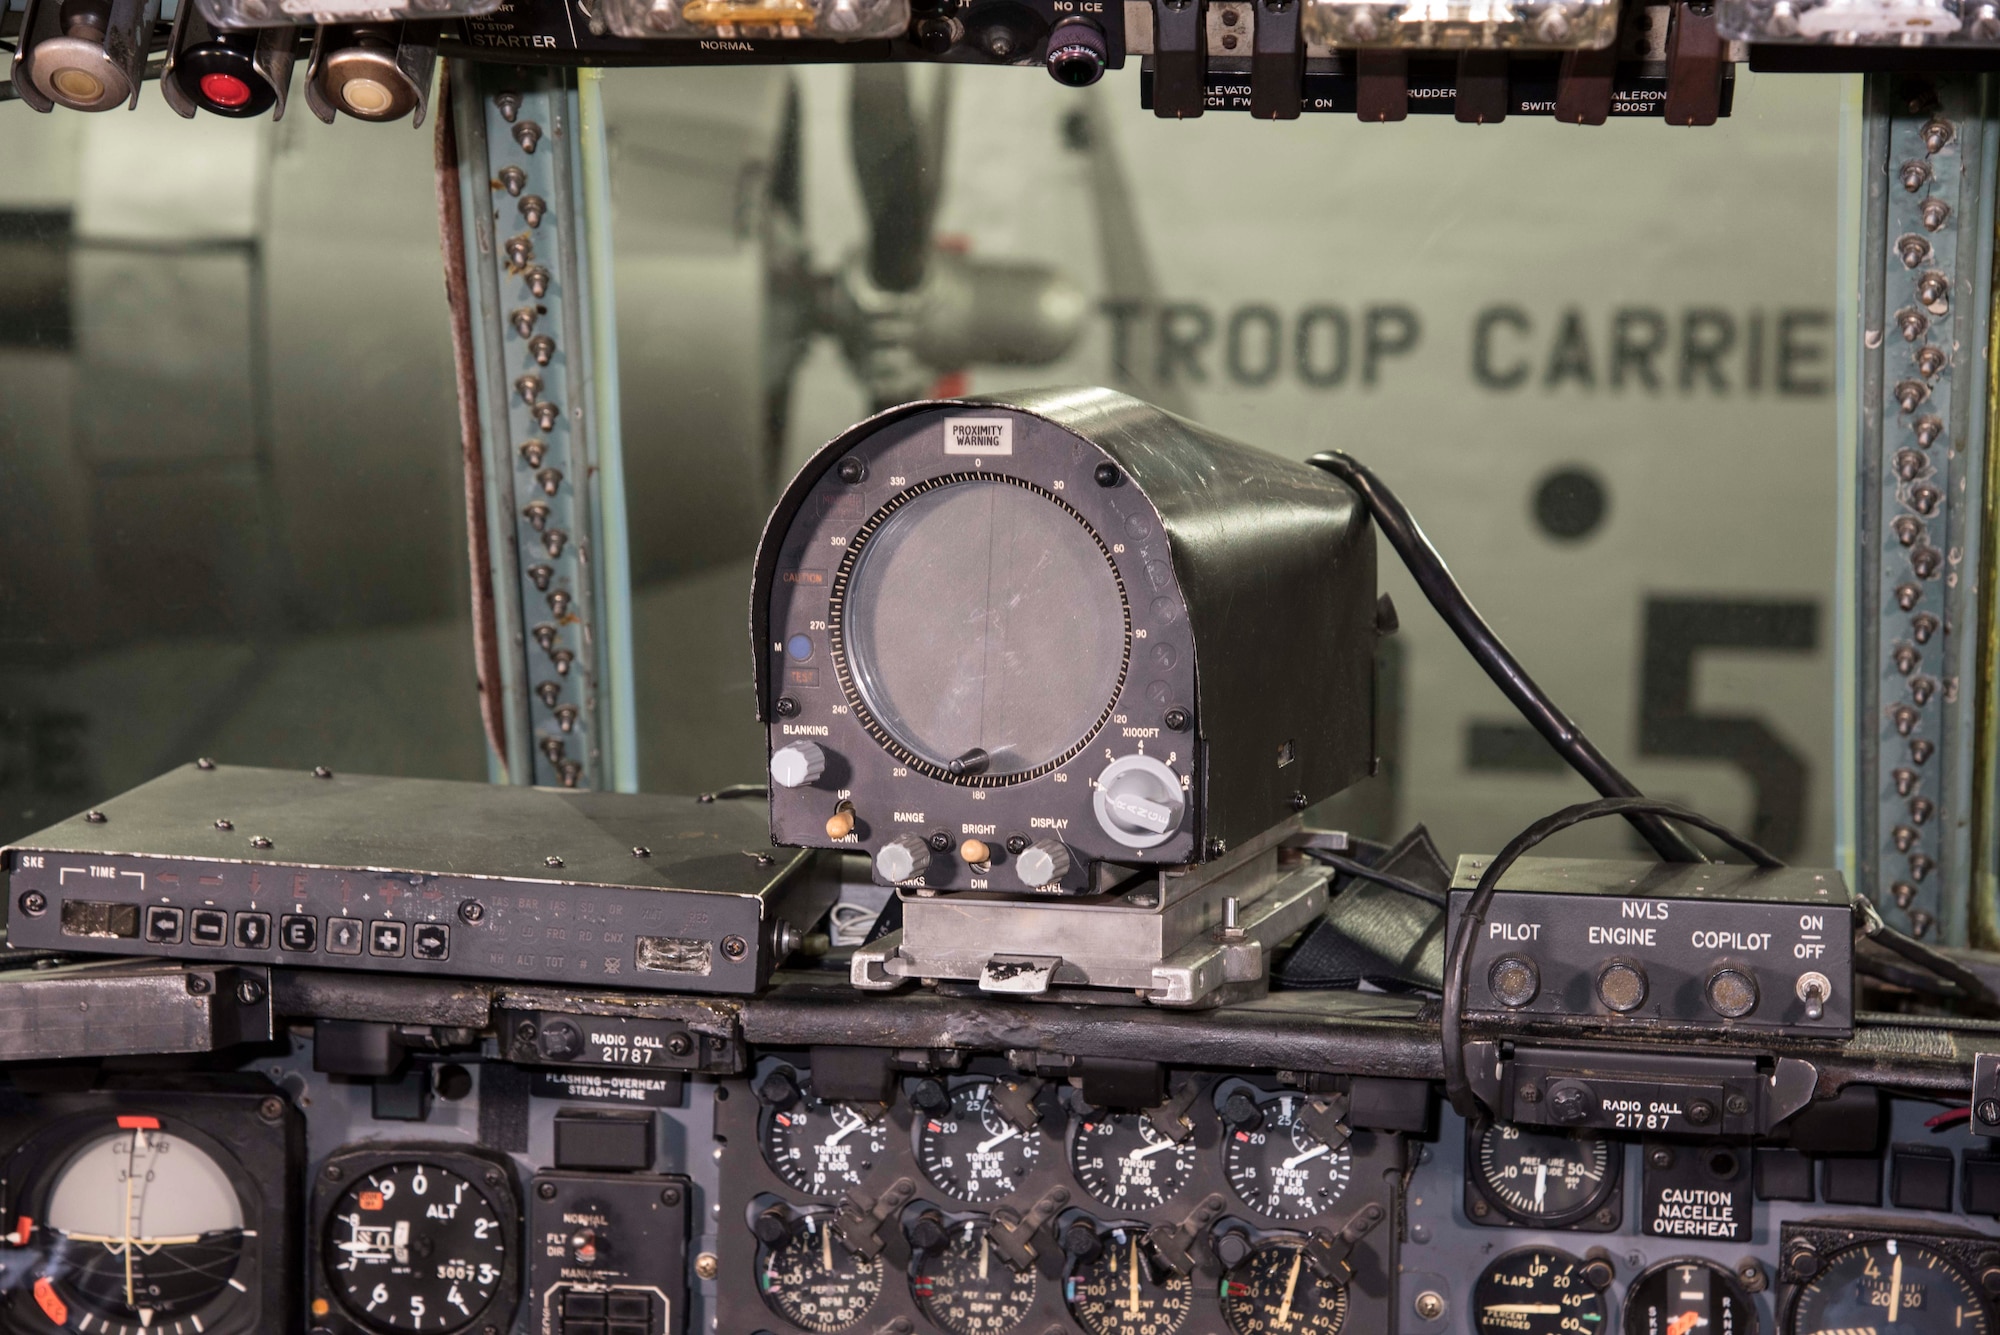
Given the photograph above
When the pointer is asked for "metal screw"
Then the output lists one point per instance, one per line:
(520, 249)
(332, 1172)
(508, 105)
(493, 1178)
(1528, 1094)
(851, 470)
(203, 762)
(1913, 250)
(34, 903)
(706, 1266)
(259, 841)
(471, 911)
(537, 279)
(1751, 1275)
(1928, 429)
(271, 1109)
(1736, 1105)
(1700, 1112)
(1910, 393)
(641, 851)
(553, 861)
(249, 991)
(1217, 846)
(225, 825)
(1605, 1218)
(546, 1190)
(670, 1195)
(1480, 1209)
(1935, 212)
(1988, 1111)
(1937, 134)
(1929, 361)
(1660, 1157)
(1107, 475)
(322, 772)
(1430, 1304)
(787, 706)
(1933, 288)
(541, 347)
(1176, 720)
(513, 179)
(529, 387)
(94, 817)
(735, 947)
(524, 324)
(680, 1045)
(527, 134)
(199, 984)
(1912, 323)
(534, 207)
(1914, 174)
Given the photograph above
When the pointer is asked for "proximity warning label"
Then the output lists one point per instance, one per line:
(978, 435)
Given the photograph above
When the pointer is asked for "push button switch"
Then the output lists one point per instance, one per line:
(253, 931)
(298, 931)
(387, 938)
(430, 941)
(208, 927)
(164, 925)
(343, 936)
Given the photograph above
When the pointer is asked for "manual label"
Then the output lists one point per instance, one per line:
(978, 435)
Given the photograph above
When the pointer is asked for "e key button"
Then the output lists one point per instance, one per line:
(298, 931)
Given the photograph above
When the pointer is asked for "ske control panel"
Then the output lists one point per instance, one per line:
(1618, 943)
(225, 863)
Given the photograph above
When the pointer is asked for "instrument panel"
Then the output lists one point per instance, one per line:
(957, 1197)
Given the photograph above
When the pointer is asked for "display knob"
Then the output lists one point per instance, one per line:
(797, 764)
(1138, 801)
(1044, 862)
(905, 858)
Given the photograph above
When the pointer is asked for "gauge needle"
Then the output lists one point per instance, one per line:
(986, 1146)
(1291, 1287)
(985, 1246)
(847, 1128)
(113, 1240)
(1313, 1153)
(131, 1174)
(1526, 1309)
(1541, 1184)
(1895, 1288)
(1148, 1151)
(1132, 1304)
(826, 1249)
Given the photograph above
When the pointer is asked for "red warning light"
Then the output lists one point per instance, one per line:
(225, 90)
(51, 1303)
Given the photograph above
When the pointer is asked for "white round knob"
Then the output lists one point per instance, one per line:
(1044, 862)
(905, 858)
(1138, 801)
(797, 764)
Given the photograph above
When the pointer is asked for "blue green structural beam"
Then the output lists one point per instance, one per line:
(536, 202)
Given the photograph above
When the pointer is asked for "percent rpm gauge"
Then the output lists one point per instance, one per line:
(414, 1246)
(814, 1282)
(1537, 1291)
(1276, 1291)
(968, 1288)
(1894, 1287)
(1118, 1292)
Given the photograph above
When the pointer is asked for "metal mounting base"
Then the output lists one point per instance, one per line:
(1167, 941)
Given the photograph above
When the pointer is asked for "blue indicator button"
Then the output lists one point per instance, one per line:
(800, 647)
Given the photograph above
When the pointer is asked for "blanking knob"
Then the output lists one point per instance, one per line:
(905, 858)
(797, 764)
(1044, 862)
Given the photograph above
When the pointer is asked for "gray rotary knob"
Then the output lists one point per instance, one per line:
(905, 858)
(1044, 862)
(797, 764)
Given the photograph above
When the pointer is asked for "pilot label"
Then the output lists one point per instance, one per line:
(978, 435)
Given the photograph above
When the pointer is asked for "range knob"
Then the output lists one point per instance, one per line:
(1044, 862)
(905, 858)
(797, 764)
(1138, 801)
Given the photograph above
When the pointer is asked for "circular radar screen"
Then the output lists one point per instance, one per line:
(1688, 1297)
(968, 1288)
(1540, 1177)
(1282, 1170)
(1537, 1291)
(146, 1231)
(971, 1150)
(822, 1148)
(1894, 1287)
(414, 1246)
(980, 629)
(1124, 1161)
(816, 1283)
(1276, 1291)
(1120, 1293)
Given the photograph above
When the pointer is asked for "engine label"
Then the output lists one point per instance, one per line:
(978, 435)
